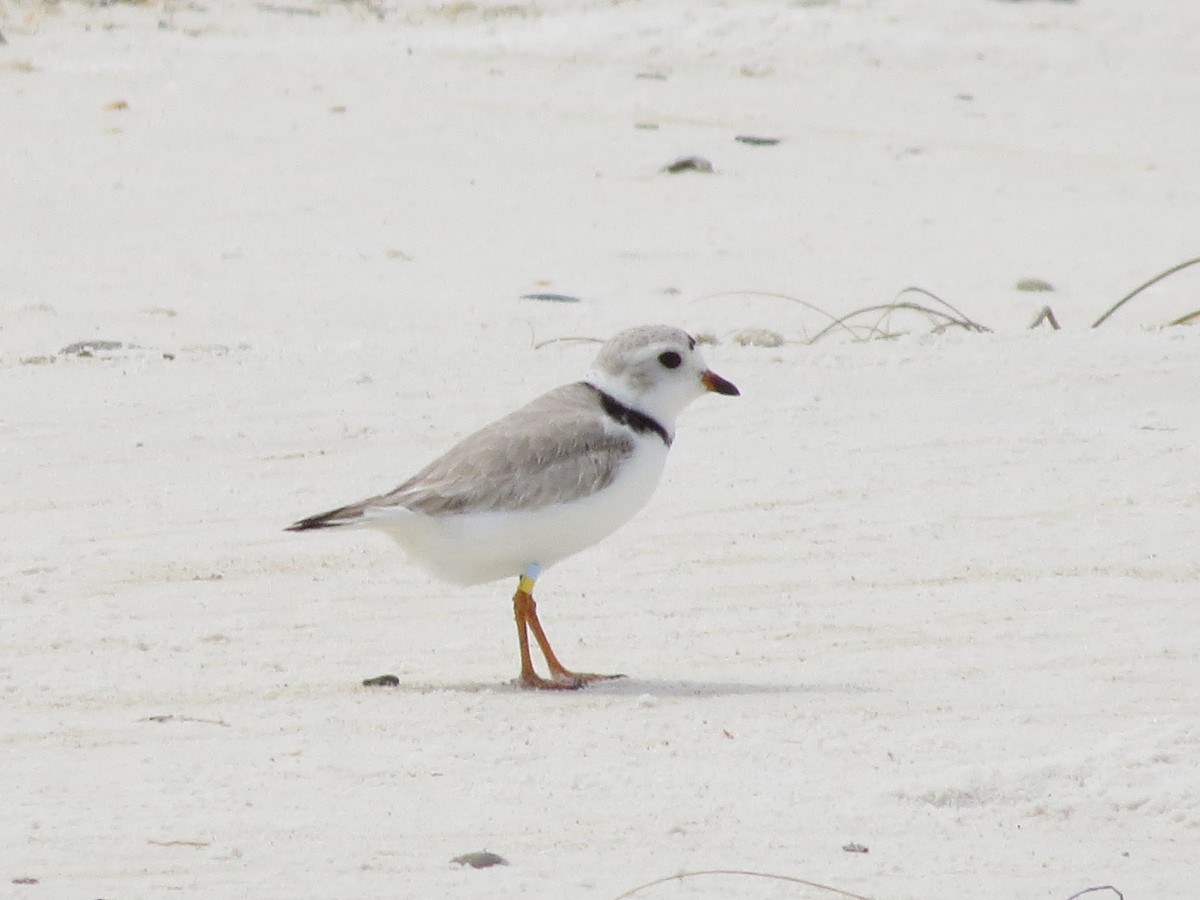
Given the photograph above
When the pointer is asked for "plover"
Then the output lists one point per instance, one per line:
(547, 480)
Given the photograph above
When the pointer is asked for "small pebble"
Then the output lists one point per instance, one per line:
(553, 298)
(856, 848)
(689, 164)
(382, 681)
(480, 860)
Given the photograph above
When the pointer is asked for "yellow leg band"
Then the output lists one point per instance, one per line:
(525, 585)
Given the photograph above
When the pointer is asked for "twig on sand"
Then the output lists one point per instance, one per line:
(171, 717)
(1103, 887)
(1141, 287)
(744, 874)
(941, 320)
(1184, 320)
(955, 318)
(963, 319)
(1046, 315)
(802, 881)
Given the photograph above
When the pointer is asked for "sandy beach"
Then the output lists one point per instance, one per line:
(916, 616)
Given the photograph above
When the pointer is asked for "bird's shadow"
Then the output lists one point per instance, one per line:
(627, 687)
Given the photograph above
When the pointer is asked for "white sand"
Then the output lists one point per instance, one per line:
(939, 596)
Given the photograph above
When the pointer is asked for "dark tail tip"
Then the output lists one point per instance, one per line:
(324, 520)
(304, 525)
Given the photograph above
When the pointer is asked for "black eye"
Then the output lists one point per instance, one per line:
(670, 359)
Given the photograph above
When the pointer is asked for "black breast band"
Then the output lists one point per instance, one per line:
(638, 421)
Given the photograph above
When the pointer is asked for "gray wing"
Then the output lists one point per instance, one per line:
(555, 449)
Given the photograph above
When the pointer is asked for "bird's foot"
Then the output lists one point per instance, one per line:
(561, 681)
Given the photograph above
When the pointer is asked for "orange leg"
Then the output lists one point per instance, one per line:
(561, 679)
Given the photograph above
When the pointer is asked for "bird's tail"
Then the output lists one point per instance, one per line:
(343, 515)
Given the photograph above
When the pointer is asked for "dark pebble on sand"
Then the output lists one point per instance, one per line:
(553, 298)
(480, 860)
(1034, 284)
(382, 681)
(689, 164)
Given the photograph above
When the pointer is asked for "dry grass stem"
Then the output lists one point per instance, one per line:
(1103, 887)
(1046, 315)
(1141, 287)
(744, 874)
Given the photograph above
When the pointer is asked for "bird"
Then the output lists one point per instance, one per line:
(545, 481)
